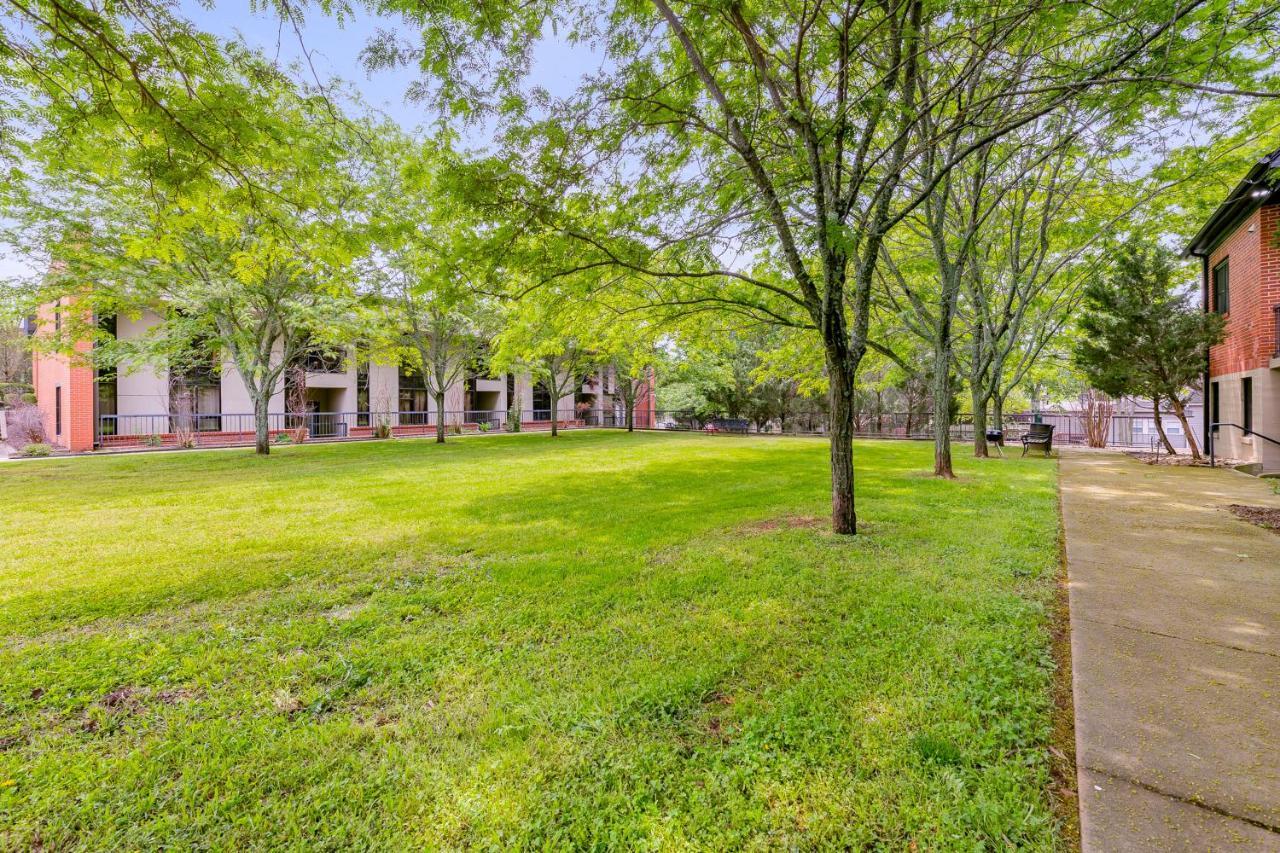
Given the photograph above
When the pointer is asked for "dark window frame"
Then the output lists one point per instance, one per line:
(1215, 404)
(1246, 403)
(57, 410)
(1221, 283)
(413, 398)
(362, 392)
(541, 393)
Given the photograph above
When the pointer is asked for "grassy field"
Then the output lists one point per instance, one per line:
(603, 640)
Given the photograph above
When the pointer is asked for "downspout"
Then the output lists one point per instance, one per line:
(1206, 407)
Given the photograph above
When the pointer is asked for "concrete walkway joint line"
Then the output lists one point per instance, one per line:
(1175, 640)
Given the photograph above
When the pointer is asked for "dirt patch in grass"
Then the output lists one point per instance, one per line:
(788, 522)
(1263, 516)
(122, 699)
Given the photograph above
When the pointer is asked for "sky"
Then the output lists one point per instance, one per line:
(335, 52)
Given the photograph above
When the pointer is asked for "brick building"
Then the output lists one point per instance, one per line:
(347, 396)
(1239, 250)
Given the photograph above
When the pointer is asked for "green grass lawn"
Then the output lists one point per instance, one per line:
(603, 640)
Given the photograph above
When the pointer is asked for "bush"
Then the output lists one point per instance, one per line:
(15, 394)
(26, 426)
(37, 449)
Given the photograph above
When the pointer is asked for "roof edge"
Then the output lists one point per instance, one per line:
(1251, 193)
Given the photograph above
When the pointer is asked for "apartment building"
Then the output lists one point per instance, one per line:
(1240, 256)
(347, 396)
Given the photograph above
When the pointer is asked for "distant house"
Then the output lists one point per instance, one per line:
(1240, 259)
(1142, 422)
(1133, 423)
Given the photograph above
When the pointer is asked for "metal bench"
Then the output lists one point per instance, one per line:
(1038, 435)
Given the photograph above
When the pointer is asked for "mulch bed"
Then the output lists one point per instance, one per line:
(1263, 516)
(1183, 458)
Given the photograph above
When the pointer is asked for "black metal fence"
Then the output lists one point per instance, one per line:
(227, 429)
(201, 429)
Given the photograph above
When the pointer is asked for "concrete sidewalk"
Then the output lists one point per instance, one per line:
(1175, 622)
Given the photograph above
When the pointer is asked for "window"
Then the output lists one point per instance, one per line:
(1246, 399)
(106, 383)
(1215, 397)
(362, 392)
(415, 402)
(57, 410)
(324, 361)
(541, 402)
(1222, 287)
(195, 388)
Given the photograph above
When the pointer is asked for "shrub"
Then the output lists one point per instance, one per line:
(153, 441)
(26, 426)
(37, 449)
(15, 394)
(485, 426)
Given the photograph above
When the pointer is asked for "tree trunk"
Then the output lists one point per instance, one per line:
(942, 417)
(555, 415)
(997, 411)
(844, 519)
(631, 416)
(979, 426)
(942, 398)
(1181, 412)
(1168, 445)
(262, 432)
(439, 417)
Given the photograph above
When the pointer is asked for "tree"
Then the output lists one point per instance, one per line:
(260, 268)
(15, 354)
(631, 359)
(436, 312)
(750, 158)
(543, 337)
(1143, 337)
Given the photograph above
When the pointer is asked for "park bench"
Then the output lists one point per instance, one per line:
(728, 425)
(1038, 435)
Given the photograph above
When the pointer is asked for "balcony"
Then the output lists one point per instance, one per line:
(324, 362)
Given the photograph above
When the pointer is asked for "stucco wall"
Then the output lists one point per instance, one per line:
(235, 396)
(141, 389)
(1232, 442)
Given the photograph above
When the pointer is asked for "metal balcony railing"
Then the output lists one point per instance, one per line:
(324, 362)
(222, 429)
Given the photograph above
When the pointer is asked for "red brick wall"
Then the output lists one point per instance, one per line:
(1250, 343)
(75, 377)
